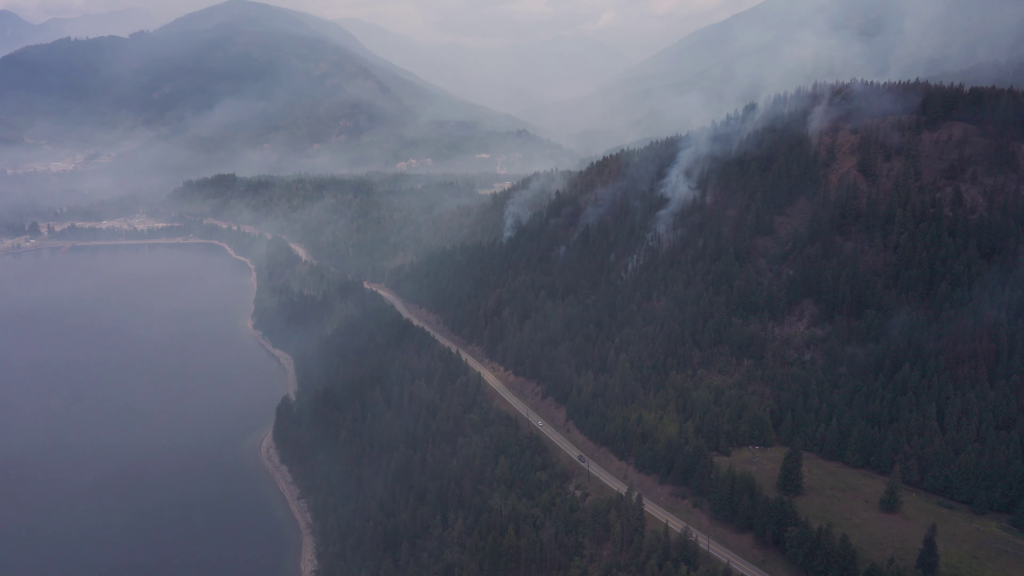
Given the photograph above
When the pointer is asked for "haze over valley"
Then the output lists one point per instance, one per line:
(672, 287)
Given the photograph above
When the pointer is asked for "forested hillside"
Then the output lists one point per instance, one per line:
(407, 465)
(842, 266)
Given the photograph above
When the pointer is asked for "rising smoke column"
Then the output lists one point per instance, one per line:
(534, 194)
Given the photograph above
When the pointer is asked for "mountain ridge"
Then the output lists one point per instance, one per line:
(252, 88)
(777, 45)
(16, 32)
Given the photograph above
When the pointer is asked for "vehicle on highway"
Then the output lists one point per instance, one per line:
(581, 459)
(539, 423)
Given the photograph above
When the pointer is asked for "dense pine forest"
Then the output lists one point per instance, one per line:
(410, 469)
(840, 267)
(446, 482)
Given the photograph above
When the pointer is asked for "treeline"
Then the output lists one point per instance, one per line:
(75, 233)
(737, 497)
(845, 271)
(246, 244)
(360, 225)
(14, 229)
(107, 209)
(407, 466)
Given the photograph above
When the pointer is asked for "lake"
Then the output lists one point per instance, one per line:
(132, 401)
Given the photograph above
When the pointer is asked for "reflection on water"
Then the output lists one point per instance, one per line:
(132, 397)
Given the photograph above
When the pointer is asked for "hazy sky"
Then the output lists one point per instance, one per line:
(637, 25)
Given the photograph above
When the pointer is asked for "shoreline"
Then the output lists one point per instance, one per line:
(267, 449)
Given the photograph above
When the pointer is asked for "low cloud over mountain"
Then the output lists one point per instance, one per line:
(243, 87)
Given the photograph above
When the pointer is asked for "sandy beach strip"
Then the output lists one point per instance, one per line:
(268, 453)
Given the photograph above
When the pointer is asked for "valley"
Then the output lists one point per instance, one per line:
(551, 296)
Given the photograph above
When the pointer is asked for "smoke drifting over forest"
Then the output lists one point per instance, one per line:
(778, 46)
(528, 197)
(116, 115)
(778, 230)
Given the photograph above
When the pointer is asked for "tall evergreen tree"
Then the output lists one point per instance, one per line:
(928, 557)
(979, 505)
(846, 562)
(1018, 517)
(891, 501)
(791, 473)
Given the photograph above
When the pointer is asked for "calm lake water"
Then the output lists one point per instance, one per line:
(132, 399)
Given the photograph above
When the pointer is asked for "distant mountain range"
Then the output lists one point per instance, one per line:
(16, 33)
(248, 87)
(253, 88)
(779, 45)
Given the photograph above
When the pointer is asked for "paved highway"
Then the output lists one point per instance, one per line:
(653, 509)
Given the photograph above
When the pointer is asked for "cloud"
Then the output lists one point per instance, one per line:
(607, 19)
(530, 7)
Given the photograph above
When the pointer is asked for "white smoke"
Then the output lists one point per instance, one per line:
(679, 184)
(821, 105)
(532, 195)
(678, 187)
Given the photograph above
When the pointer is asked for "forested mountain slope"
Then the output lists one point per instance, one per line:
(843, 267)
(16, 33)
(248, 87)
(408, 467)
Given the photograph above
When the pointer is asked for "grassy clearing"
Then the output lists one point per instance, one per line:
(970, 545)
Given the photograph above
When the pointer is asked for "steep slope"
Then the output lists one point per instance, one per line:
(784, 43)
(249, 87)
(407, 465)
(842, 268)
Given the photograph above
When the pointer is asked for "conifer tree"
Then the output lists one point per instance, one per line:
(846, 561)
(1018, 517)
(979, 505)
(891, 501)
(928, 557)
(791, 473)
